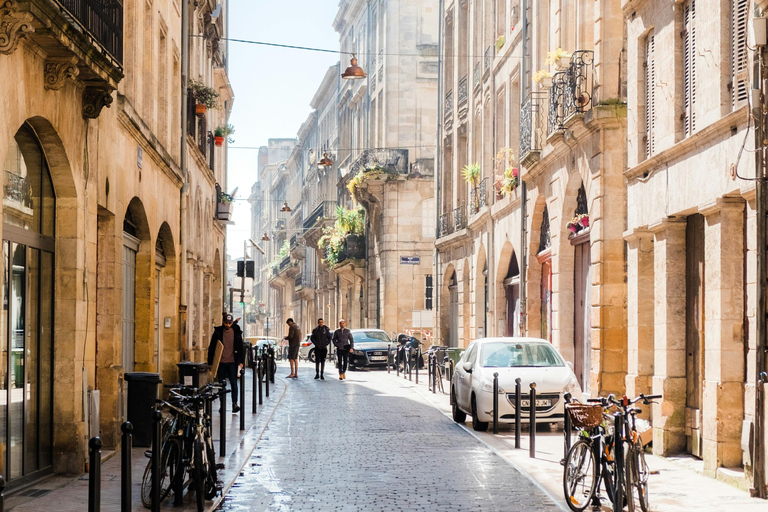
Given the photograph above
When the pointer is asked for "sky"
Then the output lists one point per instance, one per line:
(272, 86)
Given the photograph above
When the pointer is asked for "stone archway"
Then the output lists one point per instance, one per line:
(538, 245)
(138, 277)
(449, 308)
(166, 294)
(507, 284)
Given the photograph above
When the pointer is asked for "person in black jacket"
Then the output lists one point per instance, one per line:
(231, 337)
(344, 343)
(321, 338)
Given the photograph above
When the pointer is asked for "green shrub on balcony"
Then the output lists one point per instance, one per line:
(348, 222)
(280, 256)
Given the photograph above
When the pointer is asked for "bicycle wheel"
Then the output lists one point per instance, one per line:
(210, 473)
(636, 479)
(168, 473)
(198, 476)
(579, 476)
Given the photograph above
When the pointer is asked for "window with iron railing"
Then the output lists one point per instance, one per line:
(103, 19)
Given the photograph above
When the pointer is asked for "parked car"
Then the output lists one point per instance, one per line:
(306, 348)
(370, 348)
(259, 343)
(530, 359)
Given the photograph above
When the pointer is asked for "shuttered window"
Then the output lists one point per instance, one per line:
(689, 67)
(650, 95)
(739, 74)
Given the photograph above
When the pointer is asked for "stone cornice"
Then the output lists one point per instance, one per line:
(130, 119)
(697, 140)
(720, 204)
(666, 224)
(454, 239)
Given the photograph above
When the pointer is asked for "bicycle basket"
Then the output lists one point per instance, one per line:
(585, 415)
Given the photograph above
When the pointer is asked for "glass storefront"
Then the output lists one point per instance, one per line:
(26, 337)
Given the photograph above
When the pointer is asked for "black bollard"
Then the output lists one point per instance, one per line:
(532, 426)
(496, 402)
(618, 451)
(94, 475)
(254, 386)
(242, 398)
(418, 358)
(223, 423)
(518, 413)
(410, 365)
(271, 369)
(157, 447)
(389, 354)
(260, 371)
(566, 426)
(434, 373)
(448, 368)
(398, 358)
(429, 370)
(267, 371)
(126, 444)
(2, 493)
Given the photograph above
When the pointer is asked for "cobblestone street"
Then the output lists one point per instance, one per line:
(366, 444)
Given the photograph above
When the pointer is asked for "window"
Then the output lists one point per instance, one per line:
(739, 73)
(428, 292)
(650, 95)
(689, 67)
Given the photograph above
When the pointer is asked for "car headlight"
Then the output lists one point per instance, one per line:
(573, 387)
(487, 385)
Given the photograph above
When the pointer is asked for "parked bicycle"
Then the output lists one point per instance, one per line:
(187, 446)
(434, 353)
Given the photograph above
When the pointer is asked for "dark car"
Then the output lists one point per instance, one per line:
(371, 348)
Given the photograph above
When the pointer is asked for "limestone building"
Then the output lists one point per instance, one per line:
(94, 200)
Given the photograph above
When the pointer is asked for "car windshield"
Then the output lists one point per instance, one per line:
(512, 355)
(370, 336)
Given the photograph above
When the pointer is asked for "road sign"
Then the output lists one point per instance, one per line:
(410, 260)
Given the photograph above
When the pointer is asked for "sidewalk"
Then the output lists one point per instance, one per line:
(70, 494)
(675, 485)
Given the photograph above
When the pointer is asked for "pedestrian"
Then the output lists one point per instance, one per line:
(321, 338)
(231, 337)
(294, 341)
(344, 343)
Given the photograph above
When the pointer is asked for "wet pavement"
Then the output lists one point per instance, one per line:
(369, 444)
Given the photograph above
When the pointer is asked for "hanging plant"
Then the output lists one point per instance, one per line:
(205, 97)
(543, 78)
(221, 132)
(559, 58)
(370, 173)
(471, 173)
(348, 222)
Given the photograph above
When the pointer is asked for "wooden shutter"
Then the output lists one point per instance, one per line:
(650, 95)
(689, 67)
(739, 73)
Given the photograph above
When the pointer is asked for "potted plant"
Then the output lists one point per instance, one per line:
(224, 208)
(559, 58)
(543, 78)
(205, 97)
(584, 220)
(511, 180)
(221, 132)
(573, 226)
(500, 43)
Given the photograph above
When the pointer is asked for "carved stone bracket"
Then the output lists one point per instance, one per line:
(58, 71)
(14, 26)
(94, 99)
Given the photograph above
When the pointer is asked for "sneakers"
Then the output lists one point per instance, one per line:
(235, 408)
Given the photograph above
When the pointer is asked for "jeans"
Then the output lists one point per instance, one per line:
(229, 371)
(343, 358)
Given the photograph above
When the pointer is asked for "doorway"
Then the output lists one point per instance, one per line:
(582, 286)
(694, 332)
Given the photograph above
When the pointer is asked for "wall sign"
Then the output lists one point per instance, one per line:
(410, 260)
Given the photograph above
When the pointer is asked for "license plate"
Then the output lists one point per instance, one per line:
(539, 403)
(378, 358)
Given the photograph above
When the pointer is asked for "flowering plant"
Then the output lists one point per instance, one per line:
(554, 57)
(225, 198)
(540, 76)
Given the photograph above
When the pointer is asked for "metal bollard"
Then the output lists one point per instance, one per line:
(2, 493)
(157, 448)
(566, 426)
(410, 365)
(434, 373)
(94, 475)
(260, 371)
(389, 354)
(398, 358)
(418, 358)
(266, 374)
(448, 370)
(429, 370)
(254, 386)
(496, 402)
(618, 455)
(126, 444)
(223, 423)
(518, 413)
(271, 370)
(532, 418)
(242, 398)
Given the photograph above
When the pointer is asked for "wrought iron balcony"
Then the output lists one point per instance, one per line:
(304, 280)
(459, 218)
(103, 19)
(487, 58)
(463, 93)
(478, 196)
(325, 210)
(533, 127)
(572, 90)
(389, 160)
(353, 249)
(445, 224)
(477, 74)
(284, 264)
(448, 108)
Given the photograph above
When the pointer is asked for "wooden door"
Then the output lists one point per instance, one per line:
(454, 328)
(694, 339)
(582, 286)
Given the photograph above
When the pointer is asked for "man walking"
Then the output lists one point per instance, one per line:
(344, 343)
(294, 341)
(321, 338)
(231, 337)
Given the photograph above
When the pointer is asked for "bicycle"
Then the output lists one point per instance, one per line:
(439, 366)
(635, 468)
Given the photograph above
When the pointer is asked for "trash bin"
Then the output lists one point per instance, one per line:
(193, 374)
(142, 393)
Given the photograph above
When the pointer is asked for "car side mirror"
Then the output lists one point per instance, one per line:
(570, 365)
(467, 367)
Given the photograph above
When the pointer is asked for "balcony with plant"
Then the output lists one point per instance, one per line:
(342, 240)
(508, 179)
(205, 97)
(224, 206)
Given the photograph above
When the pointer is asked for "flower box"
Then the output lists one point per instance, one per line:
(563, 62)
(224, 212)
(584, 221)
(546, 82)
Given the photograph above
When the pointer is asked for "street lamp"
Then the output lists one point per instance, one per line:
(265, 237)
(245, 274)
(325, 161)
(353, 72)
(285, 207)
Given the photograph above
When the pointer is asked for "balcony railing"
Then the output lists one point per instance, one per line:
(389, 160)
(294, 241)
(477, 75)
(325, 210)
(284, 264)
(304, 280)
(533, 129)
(571, 91)
(460, 218)
(478, 197)
(463, 93)
(353, 249)
(103, 19)
(451, 221)
(487, 58)
(448, 105)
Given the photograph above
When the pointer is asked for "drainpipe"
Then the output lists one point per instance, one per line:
(523, 192)
(438, 170)
(184, 173)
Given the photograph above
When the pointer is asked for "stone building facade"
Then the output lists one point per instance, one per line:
(92, 220)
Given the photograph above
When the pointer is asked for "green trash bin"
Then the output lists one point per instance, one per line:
(193, 374)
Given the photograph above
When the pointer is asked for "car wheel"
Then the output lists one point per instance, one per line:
(477, 425)
(459, 416)
(311, 356)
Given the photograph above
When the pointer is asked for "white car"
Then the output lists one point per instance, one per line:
(531, 360)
